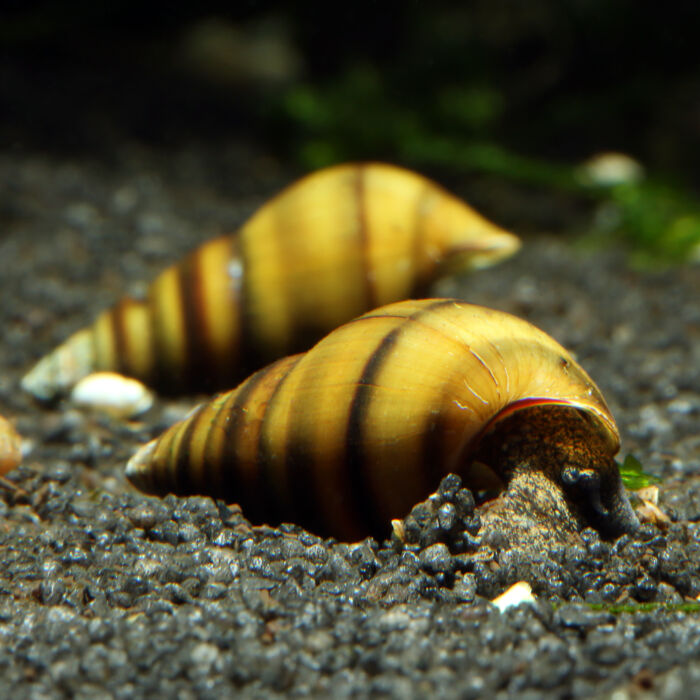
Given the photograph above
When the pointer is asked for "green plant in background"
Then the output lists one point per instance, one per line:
(633, 475)
(454, 127)
(658, 220)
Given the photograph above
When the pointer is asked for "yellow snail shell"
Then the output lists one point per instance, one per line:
(335, 244)
(354, 432)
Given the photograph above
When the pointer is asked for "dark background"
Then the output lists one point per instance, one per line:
(516, 93)
(569, 77)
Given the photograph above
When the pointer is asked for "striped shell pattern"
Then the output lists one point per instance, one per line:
(357, 430)
(335, 244)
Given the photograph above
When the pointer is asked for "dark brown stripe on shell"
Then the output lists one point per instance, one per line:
(227, 468)
(160, 373)
(272, 506)
(165, 479)
(119, 336)
(182, 469)
(197, 369)
(306, 510)
(355, 467)
(214, 465)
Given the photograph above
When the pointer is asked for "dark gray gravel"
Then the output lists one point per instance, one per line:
(109, 594)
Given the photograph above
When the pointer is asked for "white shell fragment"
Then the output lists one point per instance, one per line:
(112, 393)
(648, 510)
(518, 593)
(649, 494)
(399, 531)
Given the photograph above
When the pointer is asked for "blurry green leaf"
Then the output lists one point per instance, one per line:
(683, 237)
(659, 221)
(633, 475)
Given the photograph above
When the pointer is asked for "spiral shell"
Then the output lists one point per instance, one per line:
(10, 447)
(335, 244)
(352, 433)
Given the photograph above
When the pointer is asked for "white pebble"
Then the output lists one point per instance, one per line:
(112, 393)
(205, 655)
(518, 593)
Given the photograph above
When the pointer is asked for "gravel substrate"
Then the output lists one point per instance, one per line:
(110, 594)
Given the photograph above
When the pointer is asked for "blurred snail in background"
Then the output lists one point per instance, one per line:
(354, 432)
(335, 244)
(10, 447)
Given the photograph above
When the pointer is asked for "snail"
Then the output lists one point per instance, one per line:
(337, 243)
(352, 433)
(10, 447)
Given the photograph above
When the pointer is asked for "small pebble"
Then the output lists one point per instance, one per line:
(517, 594)
(10, 447)
(112, 393)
